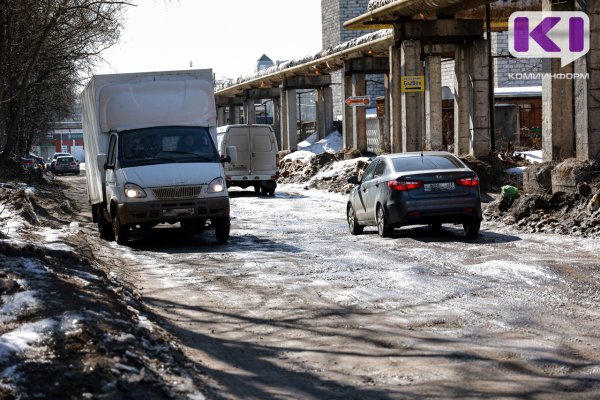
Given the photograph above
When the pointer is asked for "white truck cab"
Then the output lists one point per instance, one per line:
(256, 163)
(151, 153)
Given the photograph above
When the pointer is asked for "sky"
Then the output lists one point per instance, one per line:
(228, 36)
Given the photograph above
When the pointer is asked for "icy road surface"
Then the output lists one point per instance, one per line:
(296, 307)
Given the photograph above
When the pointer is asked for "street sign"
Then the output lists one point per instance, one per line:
(358, 101)
(413, 84)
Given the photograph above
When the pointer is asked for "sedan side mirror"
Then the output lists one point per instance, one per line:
(353, 180)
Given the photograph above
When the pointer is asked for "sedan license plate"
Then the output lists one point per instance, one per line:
(439, 187)
(178, 212)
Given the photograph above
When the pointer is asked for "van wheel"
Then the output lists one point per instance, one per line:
(222, 227)
(121, 231)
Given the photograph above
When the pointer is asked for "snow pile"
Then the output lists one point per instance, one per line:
(333, 143)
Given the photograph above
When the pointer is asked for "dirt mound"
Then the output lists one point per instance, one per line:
(564, 213)
(323, 171)
(68, 328)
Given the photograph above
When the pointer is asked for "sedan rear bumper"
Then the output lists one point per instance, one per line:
(443, 210)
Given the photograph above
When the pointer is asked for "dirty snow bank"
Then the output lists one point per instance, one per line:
(322, 164)
(552, 204)
(67, 330)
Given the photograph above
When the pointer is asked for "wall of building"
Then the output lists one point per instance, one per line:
(508, 72)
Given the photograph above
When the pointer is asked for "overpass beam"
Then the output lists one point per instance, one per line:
(412, 103)
(348, 126)
(587, 91)
(359, 114)
(433, 103)
(221, 116)
(324, 111)
(289, 120)
(394, 99)
(249, 111)
(558, 131)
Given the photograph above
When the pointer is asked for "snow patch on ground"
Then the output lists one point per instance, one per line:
(25, 337)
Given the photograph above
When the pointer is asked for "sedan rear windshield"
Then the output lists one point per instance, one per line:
(426, 162)
(65, 160)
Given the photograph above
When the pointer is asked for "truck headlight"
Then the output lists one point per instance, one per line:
(134, 191)
(216, 186)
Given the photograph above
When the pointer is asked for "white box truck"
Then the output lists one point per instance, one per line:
(150, 151)
(257, 163)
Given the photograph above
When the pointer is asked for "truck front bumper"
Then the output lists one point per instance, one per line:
(155, 212)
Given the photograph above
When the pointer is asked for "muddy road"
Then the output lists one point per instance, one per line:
(295, 307)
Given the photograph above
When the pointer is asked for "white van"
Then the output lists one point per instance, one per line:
(257, 162)
(151, 154)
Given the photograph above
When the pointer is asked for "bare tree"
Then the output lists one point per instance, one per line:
(46, 46)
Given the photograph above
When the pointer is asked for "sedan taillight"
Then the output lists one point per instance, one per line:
(404, 186)
(471, 181)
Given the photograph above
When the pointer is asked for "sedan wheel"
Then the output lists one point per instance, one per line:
(353, 224)
(472, 228)
(383, 227)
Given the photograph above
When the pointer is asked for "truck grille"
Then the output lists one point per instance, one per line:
(177, 192)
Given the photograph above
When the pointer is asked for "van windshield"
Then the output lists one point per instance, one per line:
(164, 145)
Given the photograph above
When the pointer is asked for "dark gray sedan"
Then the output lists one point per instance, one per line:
(413, 189)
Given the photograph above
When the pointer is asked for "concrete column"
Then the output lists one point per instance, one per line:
(394, 99)
(384, 140)
(249, 111)
(277, 121)
(292, 120)
(558, 113)
(221, 116)
(479, 119)
(284, 118)
(558, 132)
(462, 101)
(236, 114)
(359, 114)
(348, 126)
(433, 103)
(412, 103)
(587, 92)
(324, 111)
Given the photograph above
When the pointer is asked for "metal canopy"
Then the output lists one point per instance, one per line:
(386, 16)
(403, 10)
(325, 62)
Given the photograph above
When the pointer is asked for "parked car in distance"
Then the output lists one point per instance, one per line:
(66, 165)
(430, 188)
(52, 160)
(32, 161)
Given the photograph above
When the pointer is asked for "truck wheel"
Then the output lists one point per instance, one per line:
(121, 231)
(271, 192)
(222, 227)
(256, 189)
(105, 229)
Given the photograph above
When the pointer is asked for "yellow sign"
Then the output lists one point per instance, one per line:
(413, 84)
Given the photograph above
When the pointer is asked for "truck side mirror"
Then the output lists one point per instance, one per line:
(232, 154)
(101, 160)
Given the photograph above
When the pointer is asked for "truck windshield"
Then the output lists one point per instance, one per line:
(164, 145)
